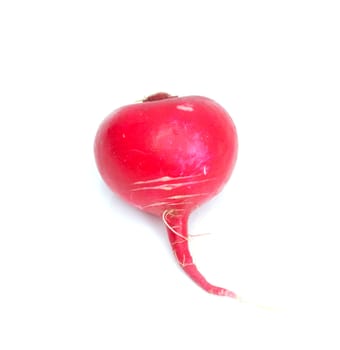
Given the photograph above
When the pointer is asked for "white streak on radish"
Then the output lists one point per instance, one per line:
(167, 204)
(187, 195)
(155, 204)
(186, 108)
(166, 187)
(164, 179)
(171, 186)
(178, 242)
(183, 263)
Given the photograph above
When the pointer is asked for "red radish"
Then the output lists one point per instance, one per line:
(167, 156)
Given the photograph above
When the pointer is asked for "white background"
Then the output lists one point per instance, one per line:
(80, 269)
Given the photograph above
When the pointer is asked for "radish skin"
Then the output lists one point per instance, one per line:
(167, 156)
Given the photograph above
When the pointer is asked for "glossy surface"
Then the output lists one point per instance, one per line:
(176, 152)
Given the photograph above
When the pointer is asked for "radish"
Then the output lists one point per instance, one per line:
(166, 156)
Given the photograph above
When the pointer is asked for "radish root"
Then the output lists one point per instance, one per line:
(166, 213)
(176, 222)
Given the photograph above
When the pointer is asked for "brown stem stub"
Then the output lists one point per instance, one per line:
(158, 96)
